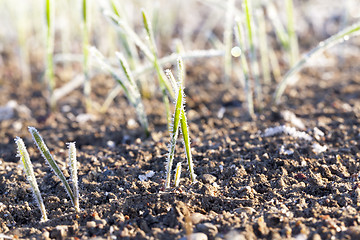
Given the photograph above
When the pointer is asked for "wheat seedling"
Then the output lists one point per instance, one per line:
(293, 42)
(345, 34)
(50, 160)
(177, 174)
(127, 83)
(85, 48)
(50, 77)
(28, 168)
(159, 71)
(228, 38)
(73, 173)
(252, 52)
(245, 68)
(179, 121)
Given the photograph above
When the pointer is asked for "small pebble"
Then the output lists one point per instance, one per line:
(208, 178)
(91, 224)
(234, 235)
(196, 236)
(208, 228)
(197, 218)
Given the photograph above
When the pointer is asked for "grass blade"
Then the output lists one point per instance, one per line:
(345, 34)
(174, 131)
(228, 38)
(50, 160)
(134, 91)
(294, 46)
(50, 76)
(245, 68)
(186, 138)
(177, 174)
(74, 176)
(85, 48)
(252, 53)
(28, 168)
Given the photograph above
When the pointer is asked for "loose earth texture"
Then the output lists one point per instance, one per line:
(291, 173)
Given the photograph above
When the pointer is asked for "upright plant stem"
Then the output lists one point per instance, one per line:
(50, 78)
(294, 46)
(50, 160)
(245, 68)
(345, 34)
(228, 39)
(85, 46)
(29, 171)
(252, 54)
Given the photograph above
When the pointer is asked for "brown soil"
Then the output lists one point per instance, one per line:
(250, 186)
(247, 187)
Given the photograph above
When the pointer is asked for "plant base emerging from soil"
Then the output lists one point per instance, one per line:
(179, 121)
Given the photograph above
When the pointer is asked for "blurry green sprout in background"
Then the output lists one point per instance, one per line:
(262, 34)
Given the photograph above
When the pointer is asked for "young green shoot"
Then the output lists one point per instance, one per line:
(127, 83)
(74, 175)
(228, 39)
(239, 33)
(159, 71)
(85, 48)
(179, 121)
(137, 103)
(177, 174)
(50, 160)
(28, 168)
(252, 53)
(50, 77)
(341, 36)
(294, 46)
(174, 131)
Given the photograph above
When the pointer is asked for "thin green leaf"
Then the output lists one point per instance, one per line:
(49, 158)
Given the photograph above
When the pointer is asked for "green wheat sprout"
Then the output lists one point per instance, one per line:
(252, 52)
(239, 33)
(228, 38)
(341, 36)
(50, 160)
(177, 174)
(293, 42)
(127, 83)
(159, 71)
(28, 168)
(74, 174)
(179, 121)
(85, 47)
(50, 77)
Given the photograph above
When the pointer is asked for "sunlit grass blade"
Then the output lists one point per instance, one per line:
(133, 89)
(164, 83)
(177, 174)
(252, 53)
(174, 131)
(345, 34)
(50, 160)
(74, 174)
(50, 77)
(293, 42)
(280, 31)
(28, 168)
(127, 83)
(85, 48)
(186, 138)
(239, 33)
(228, 39)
